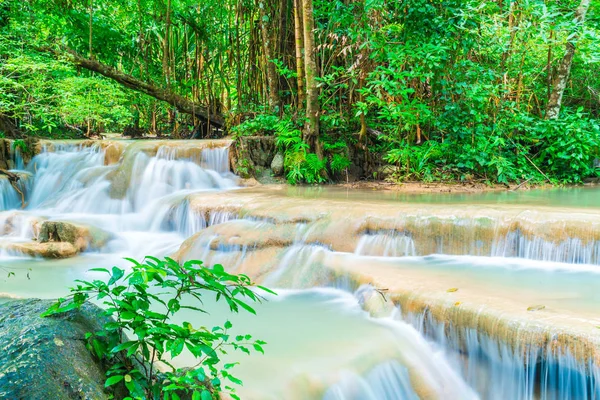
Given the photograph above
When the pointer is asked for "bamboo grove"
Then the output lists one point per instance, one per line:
(498, 91)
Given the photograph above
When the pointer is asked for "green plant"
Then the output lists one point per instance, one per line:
(143, 304)
(21, 145)
(300, 164)
(339, 162)
(265, 124)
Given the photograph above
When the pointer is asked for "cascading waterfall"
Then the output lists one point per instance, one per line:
(571, 250)
(150, 200)
(387, 381)
(499, 371)
(74, 182)
(463, 238)
(381, 244)
(18, 159)
(9, 198)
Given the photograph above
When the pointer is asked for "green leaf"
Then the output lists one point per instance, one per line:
(113, 380)
(117, 274)
(245, 306)
(205, 395)
(99, 270)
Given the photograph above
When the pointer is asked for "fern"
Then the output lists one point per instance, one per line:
(339, 163)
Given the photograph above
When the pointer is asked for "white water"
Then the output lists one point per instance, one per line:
(498, 371)
(71, 182)
(324, 345)
(511, 245)
(151, 215)
(321, 343)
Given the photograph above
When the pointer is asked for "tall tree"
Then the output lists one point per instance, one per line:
(312, 91)
(269, 47)
(564, 69)
(299, 47)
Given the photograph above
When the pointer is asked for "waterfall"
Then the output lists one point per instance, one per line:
(386, 245)
(9, 198)
(143, 191)
(150, 196)
(216, 159)
(572, 250)
(387, 381)
(512, 244)
(499, 371)
(18, 159)
(70, 177)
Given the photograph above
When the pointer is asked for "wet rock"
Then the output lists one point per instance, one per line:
(113, 152)
(259, 150)
(5, 154)
(249, 182)
(13, 223)
(355, 172)
(45, 250)
(277, 164)
(386, 171)
(46, 358)
(80, 236)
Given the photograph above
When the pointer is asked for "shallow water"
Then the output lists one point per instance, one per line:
(321, 344)
(576, 197)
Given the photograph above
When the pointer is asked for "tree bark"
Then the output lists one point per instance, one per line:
(564, 69)
(299, 40)
(166, 52)
(181, 103)
(91, 55)
(312, 92)
(266, 25)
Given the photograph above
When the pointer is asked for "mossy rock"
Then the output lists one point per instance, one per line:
(46, 358)
(81, 236)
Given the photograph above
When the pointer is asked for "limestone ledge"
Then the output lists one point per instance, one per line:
(505, 319)
(434, 228)
(272, 222)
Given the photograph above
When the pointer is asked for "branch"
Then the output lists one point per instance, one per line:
(181, 103)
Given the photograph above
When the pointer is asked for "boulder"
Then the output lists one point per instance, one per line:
(45, 250)
(46, 358)
(386, 171)
(80, 236)
(277, 164)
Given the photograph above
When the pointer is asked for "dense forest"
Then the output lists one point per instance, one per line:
(440, 90)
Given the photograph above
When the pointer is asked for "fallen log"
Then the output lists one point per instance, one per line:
(181, 103)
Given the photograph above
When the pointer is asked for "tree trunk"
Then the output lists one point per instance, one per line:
(181, 103)
(299, 39)
(8, 126)
(166, 51)
(266, 26)
(312, 92)
(564, 69)
(91, 20)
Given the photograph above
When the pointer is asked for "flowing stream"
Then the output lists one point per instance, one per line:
(380, 295)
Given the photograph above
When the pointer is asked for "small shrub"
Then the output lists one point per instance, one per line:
(143, 304)
(21, 145)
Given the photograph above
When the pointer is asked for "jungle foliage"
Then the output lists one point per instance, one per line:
(498, 91)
